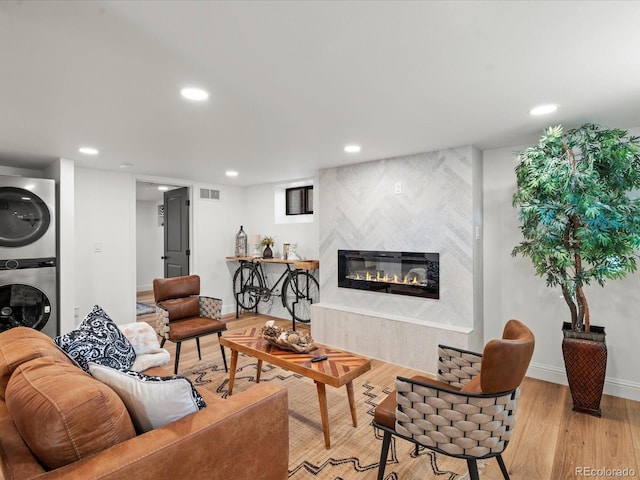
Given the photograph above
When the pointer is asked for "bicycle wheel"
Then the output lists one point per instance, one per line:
(299, 291)
(247, 286)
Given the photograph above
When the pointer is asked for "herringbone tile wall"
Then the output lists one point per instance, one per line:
(434, 213)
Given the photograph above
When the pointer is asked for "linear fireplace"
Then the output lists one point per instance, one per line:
(401, 273)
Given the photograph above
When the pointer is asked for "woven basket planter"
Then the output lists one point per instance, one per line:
(585, 360)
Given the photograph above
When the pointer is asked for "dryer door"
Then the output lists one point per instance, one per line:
(24, 217)
(23, 305)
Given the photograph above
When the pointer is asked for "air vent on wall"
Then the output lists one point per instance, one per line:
(207, 194)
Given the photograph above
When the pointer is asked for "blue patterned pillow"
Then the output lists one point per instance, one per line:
(97, 339)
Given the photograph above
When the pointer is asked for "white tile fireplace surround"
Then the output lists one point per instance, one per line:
(439, 210)
(388, 338)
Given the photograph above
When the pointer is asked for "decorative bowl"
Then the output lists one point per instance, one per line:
(287, 339)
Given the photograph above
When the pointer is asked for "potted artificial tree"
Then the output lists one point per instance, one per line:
(580, 225)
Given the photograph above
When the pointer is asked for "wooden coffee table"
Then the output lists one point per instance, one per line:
(339, 369)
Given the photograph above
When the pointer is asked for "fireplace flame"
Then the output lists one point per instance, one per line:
(386, 278)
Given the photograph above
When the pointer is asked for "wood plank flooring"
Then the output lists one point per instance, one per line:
(550, 442)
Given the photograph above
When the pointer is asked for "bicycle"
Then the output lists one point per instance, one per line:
(299, 290)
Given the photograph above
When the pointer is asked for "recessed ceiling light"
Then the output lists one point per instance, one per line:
(352, 148)
(88, 150)
(163, 188)
(543, 109)
(126, 165)
(231, 173)
(192, 93)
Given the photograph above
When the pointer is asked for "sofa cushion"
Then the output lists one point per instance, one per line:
(179, 308)
(63, 414)
(152, 401)
(21, 344)
(97, 339)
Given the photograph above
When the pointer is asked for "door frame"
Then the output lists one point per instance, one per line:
(179, 183)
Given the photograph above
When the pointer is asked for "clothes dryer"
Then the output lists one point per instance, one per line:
(28, 295)
(27, 218)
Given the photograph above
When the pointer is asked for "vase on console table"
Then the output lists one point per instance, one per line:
(268, 253)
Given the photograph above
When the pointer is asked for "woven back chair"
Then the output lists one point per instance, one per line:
(469, 411)
(183, 314)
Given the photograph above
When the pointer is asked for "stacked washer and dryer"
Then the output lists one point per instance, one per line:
(28, 290)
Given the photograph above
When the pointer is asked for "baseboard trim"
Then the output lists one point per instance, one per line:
(612, 386)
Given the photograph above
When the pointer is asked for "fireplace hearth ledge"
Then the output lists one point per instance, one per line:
(396, 318)
(395, 339)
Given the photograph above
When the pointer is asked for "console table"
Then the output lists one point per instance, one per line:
(299, 288)
(301, 264)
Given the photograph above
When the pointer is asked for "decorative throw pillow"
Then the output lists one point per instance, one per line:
(97, 339)
(151, 401)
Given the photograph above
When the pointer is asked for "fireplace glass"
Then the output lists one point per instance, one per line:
(401, 273)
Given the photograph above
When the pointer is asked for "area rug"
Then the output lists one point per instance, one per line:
(355, 452)
(144, 309)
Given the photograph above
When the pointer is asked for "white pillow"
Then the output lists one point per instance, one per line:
(151, 401)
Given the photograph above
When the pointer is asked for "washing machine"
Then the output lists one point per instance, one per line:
(27, 218)
(28, 295)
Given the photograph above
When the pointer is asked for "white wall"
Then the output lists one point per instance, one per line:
(258, 218)
(105, 243)
(22, 172)
(512, 290)
(98, 210)
(109, 277)
(215, 224)
(149, 244)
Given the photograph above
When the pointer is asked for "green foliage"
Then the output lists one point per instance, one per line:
(577, 218)
(267, 241)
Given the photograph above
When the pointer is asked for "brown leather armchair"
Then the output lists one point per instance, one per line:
(469, 411)
(183, 314)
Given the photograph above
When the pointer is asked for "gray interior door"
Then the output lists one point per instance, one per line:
(176, 233)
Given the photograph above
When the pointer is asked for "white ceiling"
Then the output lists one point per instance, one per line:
(291, 83)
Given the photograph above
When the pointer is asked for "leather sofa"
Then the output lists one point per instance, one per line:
(243, 437)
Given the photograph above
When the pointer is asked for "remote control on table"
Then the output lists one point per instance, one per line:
(319, 359)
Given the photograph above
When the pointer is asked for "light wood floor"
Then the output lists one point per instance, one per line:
(550, 442)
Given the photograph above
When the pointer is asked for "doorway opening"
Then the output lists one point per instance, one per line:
(150, 231)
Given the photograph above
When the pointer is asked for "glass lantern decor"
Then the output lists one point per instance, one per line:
(241, 243)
